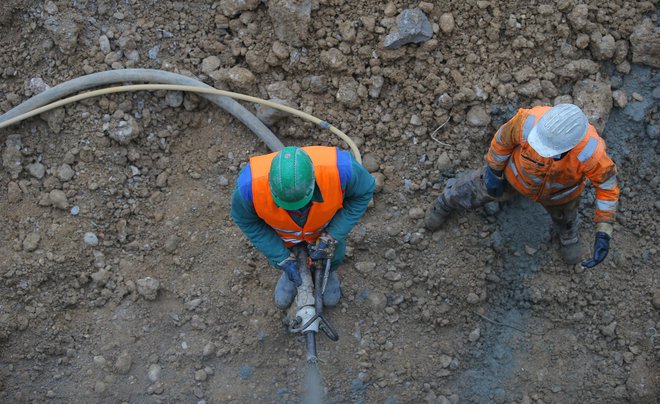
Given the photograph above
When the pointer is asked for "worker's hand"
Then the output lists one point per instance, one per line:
(290, 267)
(494, 182)
(601, 248)
(324, 248)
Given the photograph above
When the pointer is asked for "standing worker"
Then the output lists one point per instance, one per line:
(545, 154)
(301, 195)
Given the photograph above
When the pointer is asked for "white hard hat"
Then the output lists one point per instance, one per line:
(558, 130)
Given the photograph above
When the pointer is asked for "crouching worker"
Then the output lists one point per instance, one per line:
(301, 195)
(545, 154)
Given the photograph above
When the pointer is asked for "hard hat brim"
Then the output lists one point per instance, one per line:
(293, 205)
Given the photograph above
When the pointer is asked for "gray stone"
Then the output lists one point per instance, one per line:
(620, 98)
(210, 64)
(154, 372)
(347, 93)
(370, 163)
(90, 239)
(602, 47)
(230, 8)
(379, 179)
(376, 86)
(376, 300)
(365, 267)
(58, 199)
(416, 213)
(412, 27)
(238, 78)
(655, 300)
(100, 277)
(291, 19)
(104, 44)
(270, 115)
(123, 363)
(126, 131)
(472, 298)
(478, 116)
(595, 99)
(148, 288)
(31, 242)
(192, 304)
(474, 335)
(642, 386)
(63, 29)
(447, 23)
(645, 43)
(200, 375)
(174, 99)
(444, 162)
(37, 170)
(65, 172)
(334, 59)
(14, 192)
(172, 243)
(12, 159)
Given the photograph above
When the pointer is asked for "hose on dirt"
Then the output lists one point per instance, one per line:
(225, 99)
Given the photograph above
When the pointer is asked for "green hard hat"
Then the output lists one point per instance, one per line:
(291, 178)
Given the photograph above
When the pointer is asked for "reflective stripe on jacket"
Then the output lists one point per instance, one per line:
(320, 213)
(549, 181)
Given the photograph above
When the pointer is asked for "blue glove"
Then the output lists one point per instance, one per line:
(324, 248)
(601, 248)
(494, 182)
(290, 267)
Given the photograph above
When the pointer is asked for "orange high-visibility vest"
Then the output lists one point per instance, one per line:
(326, 173)
(550, 181)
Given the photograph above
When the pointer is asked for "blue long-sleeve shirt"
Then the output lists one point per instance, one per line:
(357, 186)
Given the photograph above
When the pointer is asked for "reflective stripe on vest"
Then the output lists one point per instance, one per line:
(500, 158)
(564, 194)
(327, 178)
(609, 184)
(588, 150)
(527, 126)
(605, 205)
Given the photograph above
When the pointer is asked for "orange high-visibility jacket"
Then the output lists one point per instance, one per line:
(320, 213)
(549, 181)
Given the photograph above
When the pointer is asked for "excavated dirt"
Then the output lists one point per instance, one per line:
(481, 311)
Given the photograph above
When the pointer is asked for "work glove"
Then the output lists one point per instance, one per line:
(290, 267)
(601, 248)
(323, 248)
(494, 182)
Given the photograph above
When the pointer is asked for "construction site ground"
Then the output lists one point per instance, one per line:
(481, 311)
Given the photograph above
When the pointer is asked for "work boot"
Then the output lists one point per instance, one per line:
(332, 291)
(285, 292)
(572, 253)
(437, 214)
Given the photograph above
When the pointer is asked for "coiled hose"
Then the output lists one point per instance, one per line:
(174, 82)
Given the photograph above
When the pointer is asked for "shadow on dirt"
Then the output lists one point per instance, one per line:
(524, 225)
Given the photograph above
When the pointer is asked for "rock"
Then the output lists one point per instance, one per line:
(370, 163)
(210, 64)
(642, 386)
(172, 243)
(443, 162)
(123, 363)
(14, 193)
(645, 43)
(37, 170)
(316, 84)
(392, 276)
(192, 304)
(595, 99)
(65, 172)
(291, 19)
(148, 288)
(655, 300)
(126, 131)
(474, 335)
(578, 68)
(525, 74)
(12, 159)
(602, 47)
(231, 8)
(376, 86)
(472, 298)
(154, 372)
(579, 17)
(31, 242)
(415, 120)
(445, 101)
(444, 360)
(63, 30)
(200, 375)
(492, 208)
(269, 115)
(58, 199)
(223, 181)
(416, 213)
(100, 387)
(376, 300)
(334, 59)
(609, 329)
(379, 179)
(412, 27)
(530, 89)
(238, 78)
(104, 44)
(447, 23)
(100, 277)
(478, 116)
(90, 239)
(174, 99)
(620, 98)
(347, 93)
(54, 119)
(365, 267)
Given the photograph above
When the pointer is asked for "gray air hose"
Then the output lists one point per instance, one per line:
(147, 76)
